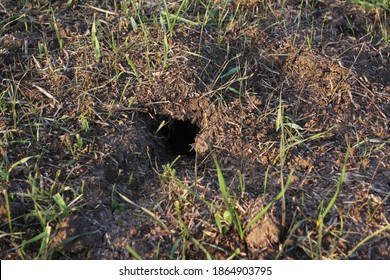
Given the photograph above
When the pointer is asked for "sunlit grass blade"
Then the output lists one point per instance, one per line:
(279, 196)
(362, 242)
(61, 203)
(131, 64)
(166, 50)
(34, 239)
(322, 215)
(134, 24)
(184, 230)
(59, 39)
(44, 243)
(95, 40)
(201, 247)
(227, 199)
(165, 40)
(20, 162)
(133, 252)
(236, 252)
(230, 72)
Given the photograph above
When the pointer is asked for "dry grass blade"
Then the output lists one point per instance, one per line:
(47, 94)
(147, 211)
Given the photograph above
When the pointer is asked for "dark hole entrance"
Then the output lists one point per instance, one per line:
(180, 136)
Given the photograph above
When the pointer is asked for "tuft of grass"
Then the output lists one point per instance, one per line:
(383, 24)
(84, 123)
(277, 198)
(48, 209)
(373, 4)
(172, 19)
(225, 216)
(165, 43)
(381, 8)
(59, 39)
(231, 215)
(322, 215)
(185, 234)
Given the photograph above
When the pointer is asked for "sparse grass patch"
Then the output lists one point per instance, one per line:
(49, 206)
(88, 88)
(374, 3)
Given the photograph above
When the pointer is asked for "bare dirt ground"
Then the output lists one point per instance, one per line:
(274, 89)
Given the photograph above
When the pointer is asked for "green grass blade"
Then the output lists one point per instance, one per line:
(322, 215)
(22, 161)
(67, 241)
(338, 188)
(236, 252)
(131, 64)
(179, 18)
(230, 72)
(44, 243)
(226, 199)
(36, 238)
(60, 41)
(268, 206)
(133, 252)
(176, 17)
(151, 214)
(175, 247)
(201, 247)
(61, 203)
(95, 41)
(368, 238)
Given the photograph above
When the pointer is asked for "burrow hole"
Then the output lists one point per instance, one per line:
(179, 135)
